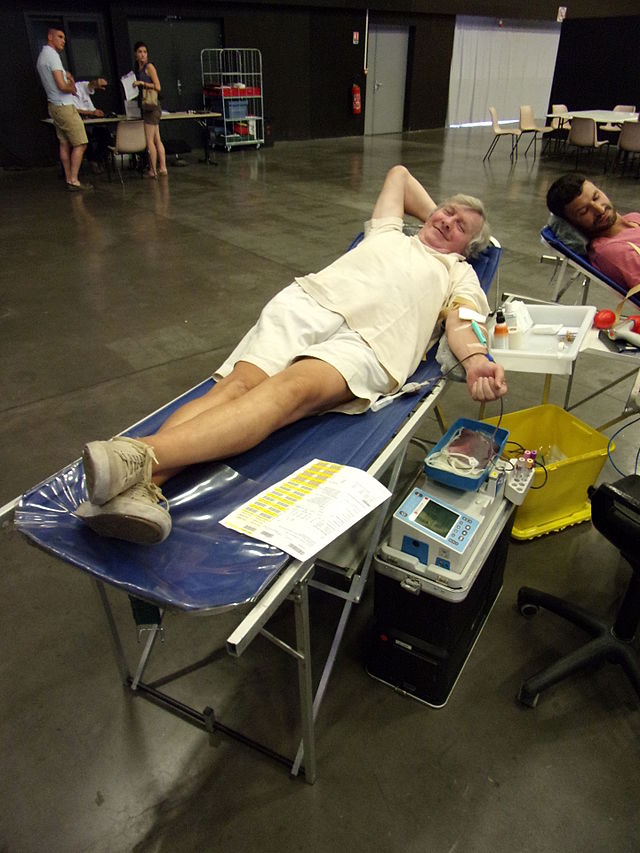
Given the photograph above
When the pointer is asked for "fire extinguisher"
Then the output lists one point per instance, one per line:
(356, 104)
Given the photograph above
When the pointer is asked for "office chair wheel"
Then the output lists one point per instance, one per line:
(528, 610)
(526, 698)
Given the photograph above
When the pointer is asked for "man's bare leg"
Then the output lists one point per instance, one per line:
(65, 159)
(125, 503)
(240, 422)
(71, 159)
(242, 379)
(77, 153)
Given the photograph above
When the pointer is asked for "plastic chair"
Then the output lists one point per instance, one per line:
(619, 108)
(628, 143)
(557, 123)
(513, 132)
(615, 513)
(561, 126)
(528, 125)
(584, 134)
(130, 139)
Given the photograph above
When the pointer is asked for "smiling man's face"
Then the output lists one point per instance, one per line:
(451, 228)
(591, 212)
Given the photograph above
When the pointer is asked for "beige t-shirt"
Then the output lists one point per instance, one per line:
(394, 291)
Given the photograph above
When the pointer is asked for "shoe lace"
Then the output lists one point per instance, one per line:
(130, 456)
(148, 492)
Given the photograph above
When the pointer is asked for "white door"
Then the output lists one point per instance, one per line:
(388, 48)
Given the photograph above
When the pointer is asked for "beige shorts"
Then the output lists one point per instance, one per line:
(292, 326)
(68, 124)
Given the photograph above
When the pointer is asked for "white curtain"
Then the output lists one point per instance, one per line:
(501, 64)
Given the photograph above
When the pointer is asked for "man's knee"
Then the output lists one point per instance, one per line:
(310, 386)
(244, 377)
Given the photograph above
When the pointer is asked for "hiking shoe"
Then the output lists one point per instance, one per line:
(135, 516)
(112, 467)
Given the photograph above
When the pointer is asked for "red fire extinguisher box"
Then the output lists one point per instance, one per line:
(356, 101)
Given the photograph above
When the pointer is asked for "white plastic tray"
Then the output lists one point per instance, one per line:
(544, 353)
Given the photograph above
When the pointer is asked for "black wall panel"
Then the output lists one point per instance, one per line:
(283, 38)
(598, 64)
(335, 65)
(430, 54)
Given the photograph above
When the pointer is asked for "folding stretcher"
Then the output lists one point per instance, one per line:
(565, 259)
(205, 568)
(583, 269)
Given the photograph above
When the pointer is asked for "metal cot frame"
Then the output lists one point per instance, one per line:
(291, 583)
(565, 260)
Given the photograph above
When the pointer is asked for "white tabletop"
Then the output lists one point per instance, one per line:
(600, 116)
(165, 116)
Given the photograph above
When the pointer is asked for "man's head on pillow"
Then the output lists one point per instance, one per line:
(576, 199)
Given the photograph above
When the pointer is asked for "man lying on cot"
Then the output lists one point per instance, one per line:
(613, 240)
(336, 340)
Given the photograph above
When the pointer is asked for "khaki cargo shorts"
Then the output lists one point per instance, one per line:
(68, 124)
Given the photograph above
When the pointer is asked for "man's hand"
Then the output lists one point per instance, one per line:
(98, 114)
(485, 379)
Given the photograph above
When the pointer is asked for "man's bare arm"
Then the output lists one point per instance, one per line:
(403, 195)
(485, 379)
(65, 83)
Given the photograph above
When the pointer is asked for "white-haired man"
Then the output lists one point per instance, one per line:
(336, 340)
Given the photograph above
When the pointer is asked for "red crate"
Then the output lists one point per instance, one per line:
(232, 91)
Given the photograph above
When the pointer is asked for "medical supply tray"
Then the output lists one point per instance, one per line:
(549, 353)
(460, 480)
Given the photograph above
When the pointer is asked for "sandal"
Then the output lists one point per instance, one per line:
(162, 173)
(149, 174)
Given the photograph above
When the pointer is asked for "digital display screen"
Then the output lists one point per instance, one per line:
(437, 518)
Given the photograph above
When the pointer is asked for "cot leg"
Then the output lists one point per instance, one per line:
(442, 422)
(154, 632)
(559, 281)
(303, 643)
(352, 596)
(121, 661)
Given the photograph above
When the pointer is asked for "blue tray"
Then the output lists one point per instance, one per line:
(460, 480)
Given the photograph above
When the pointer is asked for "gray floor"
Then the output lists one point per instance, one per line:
(114, 303)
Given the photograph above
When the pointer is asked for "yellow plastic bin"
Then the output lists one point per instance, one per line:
(573, 454)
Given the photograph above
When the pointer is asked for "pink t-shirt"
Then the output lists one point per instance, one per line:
(619, 256)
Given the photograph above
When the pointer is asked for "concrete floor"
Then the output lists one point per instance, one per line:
(114, 303)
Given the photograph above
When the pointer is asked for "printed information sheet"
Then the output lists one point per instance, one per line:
(309, 509)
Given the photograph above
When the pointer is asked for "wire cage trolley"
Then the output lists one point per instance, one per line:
(232, 86)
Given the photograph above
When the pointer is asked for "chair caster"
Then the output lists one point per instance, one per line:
(524, 697)
(527, 608)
